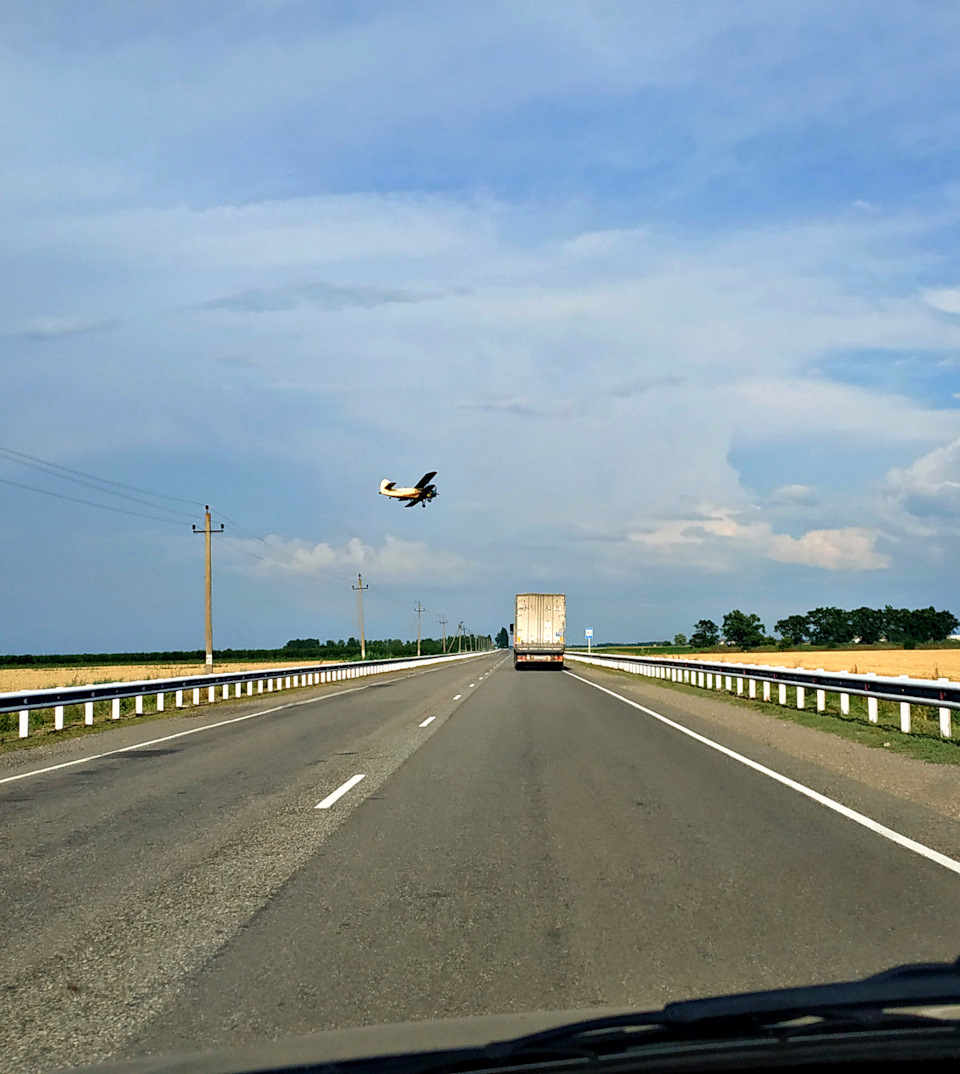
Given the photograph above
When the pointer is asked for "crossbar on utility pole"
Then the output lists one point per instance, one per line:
(419, 609)
(207, 532)
(360, 587)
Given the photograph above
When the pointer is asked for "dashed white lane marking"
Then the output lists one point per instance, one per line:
(429, 719)
(456, 697)
(837, 807)
(191, 731)
(338, 793)
(472, 685)
(177, 734)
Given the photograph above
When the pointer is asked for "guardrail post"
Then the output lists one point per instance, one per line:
(766, 690)
(196, 695)
(115, 708)
(58, 718)
(873, 710)
(160, 702)
(739, 685)
(211, 693)
(845, 704)
(286, 685)
(259, 686)
(225, 693)
(24, 723)
(88, 713)
(269, 686)
(752, 687)
(249, 687)
(138, 705)
(728, 683)
(801, 697)
(821, 700)
(709, 680)
(945, 729)
(782, 692)
(179, 699)
(905, 717)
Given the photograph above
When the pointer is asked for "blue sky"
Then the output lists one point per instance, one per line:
(669, 294)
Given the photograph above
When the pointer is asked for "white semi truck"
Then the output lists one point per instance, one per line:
(539, 627)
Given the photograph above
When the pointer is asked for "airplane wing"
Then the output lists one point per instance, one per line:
(412, 503)
(426, 479)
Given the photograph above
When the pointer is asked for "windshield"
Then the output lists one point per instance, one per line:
(478, 509)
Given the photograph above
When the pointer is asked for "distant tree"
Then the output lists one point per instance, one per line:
(945, 623)
(705, 633)
(896, 627)
(679, 639)
(867, 625)
(742, 629)
(921, 624)
(503, 639)
(300, 644)
(794, 629)
(830, 626)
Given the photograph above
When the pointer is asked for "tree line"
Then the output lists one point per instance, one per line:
(830, 626)
(305, 649)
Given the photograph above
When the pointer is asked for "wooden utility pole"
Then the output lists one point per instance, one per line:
(360, 587)
(207, 532)
(443, 623)
(419, 609)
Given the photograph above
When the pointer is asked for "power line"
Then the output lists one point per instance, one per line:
(89, 503)
(80, 477)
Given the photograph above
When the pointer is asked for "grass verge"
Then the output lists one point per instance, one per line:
(923, 742)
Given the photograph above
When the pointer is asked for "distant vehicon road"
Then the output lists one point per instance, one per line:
(540, 623)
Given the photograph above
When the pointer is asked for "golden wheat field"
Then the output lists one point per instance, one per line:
(917, 663)
(13, 679)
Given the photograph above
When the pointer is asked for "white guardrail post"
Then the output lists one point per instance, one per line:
(940, 694)
(58, 699)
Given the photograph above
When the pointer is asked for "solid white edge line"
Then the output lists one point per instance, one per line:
(339, 792)
(428, 720)
(192, 731)
(178, 734)
(800, 788)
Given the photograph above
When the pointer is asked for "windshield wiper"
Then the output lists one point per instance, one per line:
(880, 1001)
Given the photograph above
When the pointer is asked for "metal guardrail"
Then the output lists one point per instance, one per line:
(267, 680)
(942, 694)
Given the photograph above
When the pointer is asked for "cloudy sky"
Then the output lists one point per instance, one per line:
(667, 292)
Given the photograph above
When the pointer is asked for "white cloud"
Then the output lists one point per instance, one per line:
(930, 488)
(794, 494)
(852, 548)
(53, 327)
(396, 559)
(946, 299)
(719, 540)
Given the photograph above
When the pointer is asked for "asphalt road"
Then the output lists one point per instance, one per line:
(539, 844)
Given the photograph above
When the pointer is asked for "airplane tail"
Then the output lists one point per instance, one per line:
(385, 485)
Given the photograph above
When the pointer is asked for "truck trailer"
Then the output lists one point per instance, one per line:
(539, 626)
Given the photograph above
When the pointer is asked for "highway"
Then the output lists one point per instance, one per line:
(517, 841)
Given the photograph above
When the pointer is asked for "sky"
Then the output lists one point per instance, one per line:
(667, 293)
